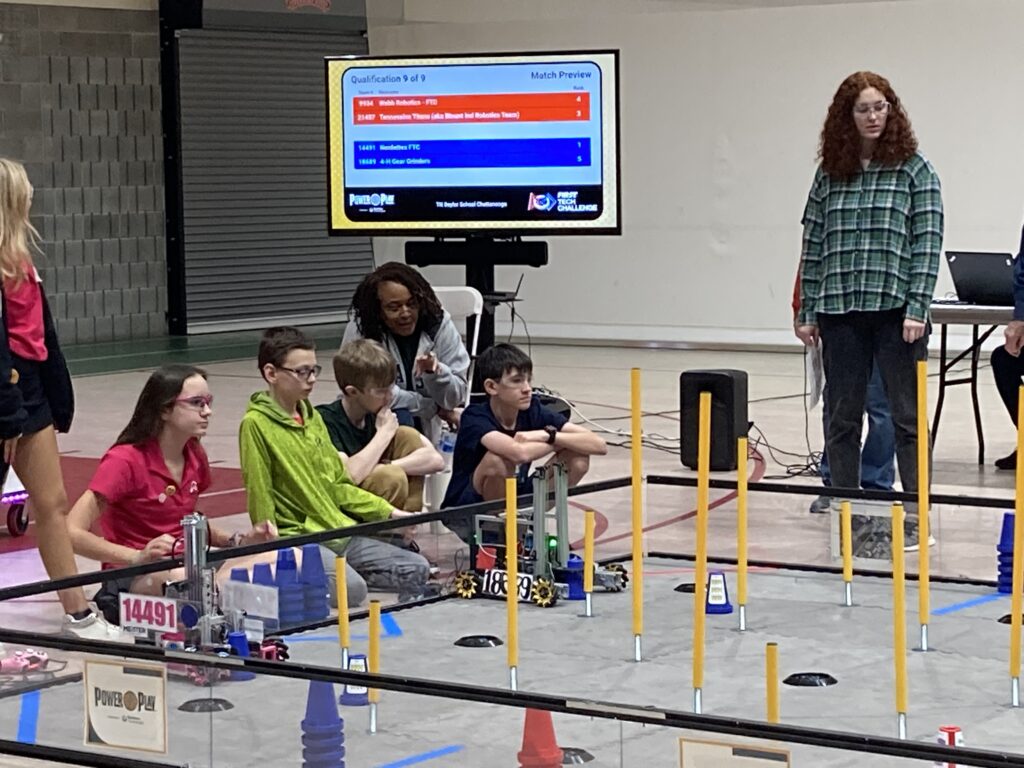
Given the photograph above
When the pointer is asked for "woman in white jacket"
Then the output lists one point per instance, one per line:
(396, 306)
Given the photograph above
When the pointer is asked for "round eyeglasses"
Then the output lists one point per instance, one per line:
(879, 108)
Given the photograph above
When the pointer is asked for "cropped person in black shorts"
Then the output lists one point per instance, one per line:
(36, 399)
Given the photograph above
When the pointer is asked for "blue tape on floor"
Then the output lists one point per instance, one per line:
(423, 757)
(390, 626)
(968, 603)
(28, 719)
(387, 623)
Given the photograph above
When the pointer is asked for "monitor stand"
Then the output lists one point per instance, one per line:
(479, 255)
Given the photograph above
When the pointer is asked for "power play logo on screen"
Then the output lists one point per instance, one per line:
(562, 202)
(375, 199)
(374, 203)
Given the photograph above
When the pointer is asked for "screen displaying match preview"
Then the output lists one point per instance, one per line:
(524, 143)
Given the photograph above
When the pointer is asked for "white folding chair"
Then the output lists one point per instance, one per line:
(461, 302)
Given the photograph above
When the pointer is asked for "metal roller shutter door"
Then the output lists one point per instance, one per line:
(253, 164)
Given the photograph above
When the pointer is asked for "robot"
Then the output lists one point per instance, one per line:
(270, 648)
(545, 563)
(206, 626)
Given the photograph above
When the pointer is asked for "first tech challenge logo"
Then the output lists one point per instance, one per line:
(560, 202)
(545, 201)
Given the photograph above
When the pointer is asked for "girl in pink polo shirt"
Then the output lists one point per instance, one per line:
(149, 480)
(36, 399)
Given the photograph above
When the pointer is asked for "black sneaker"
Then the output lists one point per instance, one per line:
(820, 505)
(1007, 462)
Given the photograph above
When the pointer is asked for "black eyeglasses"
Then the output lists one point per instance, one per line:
(305, 372)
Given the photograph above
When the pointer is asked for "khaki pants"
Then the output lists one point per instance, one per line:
(390, 482)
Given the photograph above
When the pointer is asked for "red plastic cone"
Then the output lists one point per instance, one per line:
(540, 750)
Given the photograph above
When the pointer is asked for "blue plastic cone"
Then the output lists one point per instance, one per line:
(354, 695)
(1006, 534)
(321, 707)
(291, 604)
(313, 566)
(316, 602)
(335, 759)
(287, 572)
(262, 574)
(326, 742)
(716, 596)
(314, 581)
(575, 568)
(1005, 557)
(240, 645)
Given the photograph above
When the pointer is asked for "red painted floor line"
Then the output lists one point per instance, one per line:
(757, 473)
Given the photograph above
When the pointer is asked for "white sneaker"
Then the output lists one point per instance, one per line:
(95, 627)
(915, 545)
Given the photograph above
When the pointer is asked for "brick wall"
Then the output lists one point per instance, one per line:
(80, 107)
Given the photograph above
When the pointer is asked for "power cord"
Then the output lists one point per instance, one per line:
(653, 440)
(458, 560)
(794, 463)
(670, 444)
(807, 464)
(526, 329)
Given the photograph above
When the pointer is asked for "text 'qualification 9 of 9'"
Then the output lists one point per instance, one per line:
(474, 143)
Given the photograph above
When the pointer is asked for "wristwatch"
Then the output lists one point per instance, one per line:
(552, 433)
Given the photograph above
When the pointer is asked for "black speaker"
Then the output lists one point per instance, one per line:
(728, 390)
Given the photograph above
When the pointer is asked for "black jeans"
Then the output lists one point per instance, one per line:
(1007, 371)
(851, 344)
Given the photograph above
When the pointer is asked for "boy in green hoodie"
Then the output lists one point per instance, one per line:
(294, 477)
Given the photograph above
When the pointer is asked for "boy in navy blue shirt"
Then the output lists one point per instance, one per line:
(510, 430)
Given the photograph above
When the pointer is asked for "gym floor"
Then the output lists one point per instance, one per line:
(962, 682)
(796, 609)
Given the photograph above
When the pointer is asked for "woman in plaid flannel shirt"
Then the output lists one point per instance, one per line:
(871, 245)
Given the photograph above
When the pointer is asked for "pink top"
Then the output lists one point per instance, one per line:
(143, 500)
(23, 307)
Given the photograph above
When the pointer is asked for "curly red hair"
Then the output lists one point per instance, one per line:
(839, 150)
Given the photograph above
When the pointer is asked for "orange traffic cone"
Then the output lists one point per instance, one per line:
(540, 750)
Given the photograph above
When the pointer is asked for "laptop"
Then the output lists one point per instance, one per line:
(982, 278)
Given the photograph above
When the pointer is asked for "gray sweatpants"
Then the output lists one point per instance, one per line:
(374, 564)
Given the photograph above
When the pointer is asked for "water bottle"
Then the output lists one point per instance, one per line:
(447, 447)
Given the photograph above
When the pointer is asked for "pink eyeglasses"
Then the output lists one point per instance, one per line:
(196, 402)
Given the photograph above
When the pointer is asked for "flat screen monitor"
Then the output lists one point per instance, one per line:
(502, 144)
